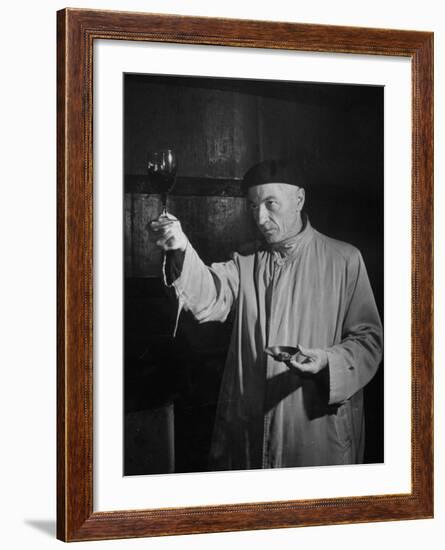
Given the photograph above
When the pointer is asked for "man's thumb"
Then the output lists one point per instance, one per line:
(305, 351)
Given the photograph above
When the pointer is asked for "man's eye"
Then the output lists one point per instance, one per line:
(253, 206)
(271, 204)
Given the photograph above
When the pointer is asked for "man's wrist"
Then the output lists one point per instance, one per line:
(183, 244)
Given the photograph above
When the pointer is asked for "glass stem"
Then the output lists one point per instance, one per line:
(164, 204)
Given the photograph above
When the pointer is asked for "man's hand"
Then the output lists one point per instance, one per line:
(168, 233)
(315, 360)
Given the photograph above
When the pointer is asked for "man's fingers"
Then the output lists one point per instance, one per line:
(168, 238)
(164, 219)
(169, 232)
(167, 216)
(170, 244)
(306, 351)
(157, 225)
(303, 367)
(162, 242)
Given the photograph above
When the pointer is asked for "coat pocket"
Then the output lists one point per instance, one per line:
(343, 425)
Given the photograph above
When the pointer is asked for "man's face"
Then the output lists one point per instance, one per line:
(276, 209)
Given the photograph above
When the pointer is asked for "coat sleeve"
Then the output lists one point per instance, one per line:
(207, 292)
(354, 361)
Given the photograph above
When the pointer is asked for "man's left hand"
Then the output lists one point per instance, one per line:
(315, 360)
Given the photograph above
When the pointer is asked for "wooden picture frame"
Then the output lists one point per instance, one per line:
(77, 31)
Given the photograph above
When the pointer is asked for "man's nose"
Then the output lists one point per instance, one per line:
(262, 215)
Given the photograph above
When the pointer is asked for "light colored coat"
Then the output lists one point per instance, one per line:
(318, 296)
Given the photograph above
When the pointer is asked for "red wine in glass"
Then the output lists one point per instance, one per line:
(162, 166)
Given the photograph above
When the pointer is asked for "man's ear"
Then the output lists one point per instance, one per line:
(300, 198)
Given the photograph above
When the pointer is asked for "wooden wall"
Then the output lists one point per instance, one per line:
(219, 128)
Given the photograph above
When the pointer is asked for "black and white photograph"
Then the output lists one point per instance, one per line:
(253, 276)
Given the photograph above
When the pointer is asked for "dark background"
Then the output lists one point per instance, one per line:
(219, 128)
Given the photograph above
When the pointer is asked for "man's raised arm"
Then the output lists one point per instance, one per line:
(208, 292)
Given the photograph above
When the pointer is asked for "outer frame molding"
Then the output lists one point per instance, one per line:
(76, 32)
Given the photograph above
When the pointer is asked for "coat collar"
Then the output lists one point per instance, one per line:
(289, 248)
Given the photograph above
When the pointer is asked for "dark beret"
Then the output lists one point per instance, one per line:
(275, 171)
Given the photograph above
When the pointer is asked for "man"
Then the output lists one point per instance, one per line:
(299, 288)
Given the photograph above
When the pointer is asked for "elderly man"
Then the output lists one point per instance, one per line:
(298, 288)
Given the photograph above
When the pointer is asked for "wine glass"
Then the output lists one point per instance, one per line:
(162, 166)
